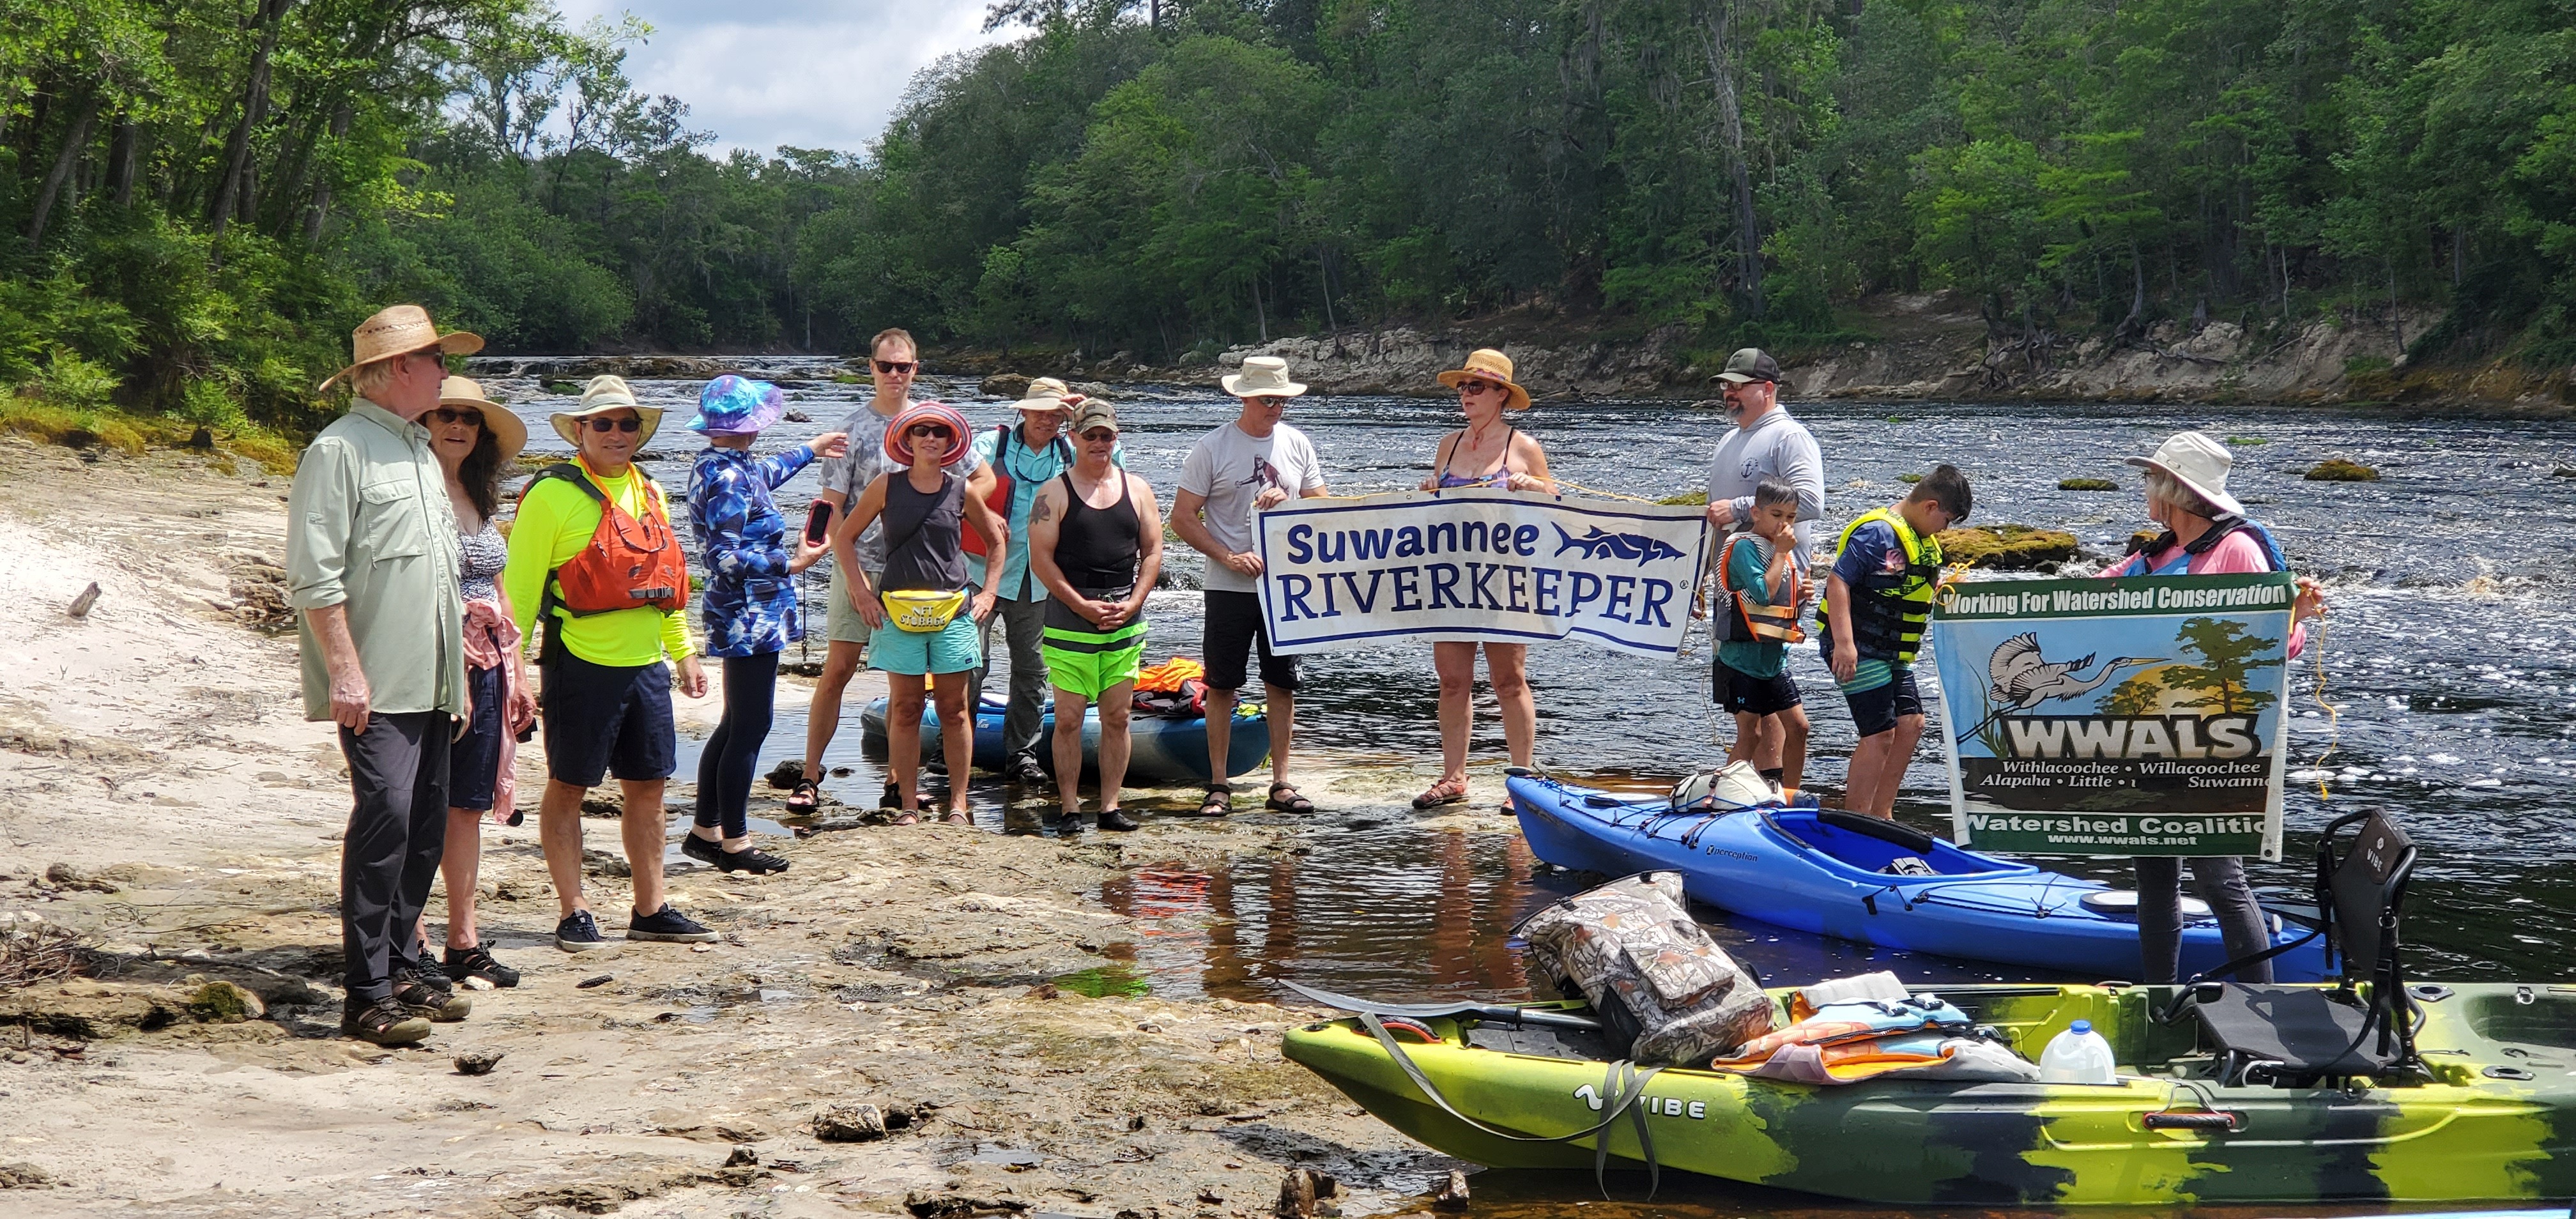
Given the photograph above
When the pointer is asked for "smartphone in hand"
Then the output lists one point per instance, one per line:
(818, 522)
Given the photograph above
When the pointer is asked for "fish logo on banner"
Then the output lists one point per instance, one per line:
(2170, 747)
(1478, 565)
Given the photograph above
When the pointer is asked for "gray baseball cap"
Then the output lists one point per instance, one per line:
(1751, 364)
(1094, 412)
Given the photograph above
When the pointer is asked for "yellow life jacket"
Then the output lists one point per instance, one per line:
(1889, 608)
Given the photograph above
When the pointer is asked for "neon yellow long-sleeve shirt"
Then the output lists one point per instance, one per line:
(555, 522)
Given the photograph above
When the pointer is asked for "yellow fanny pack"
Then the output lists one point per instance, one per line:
(921, 611)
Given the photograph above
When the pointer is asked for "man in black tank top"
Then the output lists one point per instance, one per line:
(1096, 542)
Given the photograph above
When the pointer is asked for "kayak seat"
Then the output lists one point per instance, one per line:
(2303, 1036)
(1874, 845)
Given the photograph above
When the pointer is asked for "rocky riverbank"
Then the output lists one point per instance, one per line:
(169, 958)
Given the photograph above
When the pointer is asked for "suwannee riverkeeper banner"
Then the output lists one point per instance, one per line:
(2116, 717)
(1481, 565)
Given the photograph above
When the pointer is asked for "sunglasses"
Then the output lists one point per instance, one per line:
(455, 414)
(1471, 387)
(1099, 435)
(603, 425)
(1271, 400)
(895, 367)
(926, 429)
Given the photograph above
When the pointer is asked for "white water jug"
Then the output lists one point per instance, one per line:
(2078, 1056)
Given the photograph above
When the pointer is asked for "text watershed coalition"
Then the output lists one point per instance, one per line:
(1505, 587)
(2091, 600)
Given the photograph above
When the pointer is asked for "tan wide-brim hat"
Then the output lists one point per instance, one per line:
(1262, 377)
(1487, 364)
(400, 330)
(1047, 394)
(605, 393)
(2199, 463)
(507, 429)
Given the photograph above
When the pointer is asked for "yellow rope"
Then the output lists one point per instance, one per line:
(2334, 718)
(1561, 483)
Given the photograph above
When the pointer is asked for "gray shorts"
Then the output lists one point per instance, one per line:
(841, 624)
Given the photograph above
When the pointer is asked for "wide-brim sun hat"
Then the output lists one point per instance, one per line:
(898, 449)
(1262, 377)
(2197, 462)
(1047, 394)
(604, 393)
(1487, 364)
(508, 430)
(400, 330)
(737, 406)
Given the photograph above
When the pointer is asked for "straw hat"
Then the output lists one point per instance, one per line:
(401, 330)
(737, 406)
(898, 451)
(506, 428)
(1047, 394)
(2199, 463)
(1485, 363)
(1262, 377)
(605, 393)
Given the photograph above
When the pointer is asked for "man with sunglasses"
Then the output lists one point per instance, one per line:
(371, 569)
(1252, 463)
(1025, 454)
(1765, 443)
(893, 363)
(594, 557)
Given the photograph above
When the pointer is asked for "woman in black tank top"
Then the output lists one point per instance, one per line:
(1098, 564)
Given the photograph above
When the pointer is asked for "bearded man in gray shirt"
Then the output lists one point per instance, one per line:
(1766, 442)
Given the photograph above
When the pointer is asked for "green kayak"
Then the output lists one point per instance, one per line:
(2496, 1120)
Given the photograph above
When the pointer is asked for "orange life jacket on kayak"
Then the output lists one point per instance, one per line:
(631, 562)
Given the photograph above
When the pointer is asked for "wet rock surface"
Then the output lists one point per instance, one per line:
(2008, 547)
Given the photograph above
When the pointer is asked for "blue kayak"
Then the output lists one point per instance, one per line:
(1825, 872)
(1161, 749)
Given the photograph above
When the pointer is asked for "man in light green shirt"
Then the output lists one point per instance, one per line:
(371, 568)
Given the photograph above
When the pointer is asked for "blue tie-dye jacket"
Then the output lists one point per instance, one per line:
(749, 604)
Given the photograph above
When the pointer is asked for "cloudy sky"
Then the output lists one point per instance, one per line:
(811, 73)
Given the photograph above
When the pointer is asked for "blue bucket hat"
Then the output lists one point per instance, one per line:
(735, 406)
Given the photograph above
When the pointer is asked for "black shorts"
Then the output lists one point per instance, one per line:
(602, 719)
(1876, 710)
(474, 760)
(1744, 694)
(1232, 633)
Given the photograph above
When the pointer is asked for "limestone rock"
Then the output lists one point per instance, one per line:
(2339, 470)
(225, 1003)
(2006, 547)
(1004, 385)
(478, 1062)
(850, 1124)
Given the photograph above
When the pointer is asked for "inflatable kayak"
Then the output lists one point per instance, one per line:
(2493, 1125)
(1828, 872)
(1162, 750)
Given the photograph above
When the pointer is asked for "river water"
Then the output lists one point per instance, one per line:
(2445, 658)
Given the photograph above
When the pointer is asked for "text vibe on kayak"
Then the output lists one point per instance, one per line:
(1656, 1106)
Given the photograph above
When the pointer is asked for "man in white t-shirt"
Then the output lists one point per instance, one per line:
(893, 361)
(1252, 463)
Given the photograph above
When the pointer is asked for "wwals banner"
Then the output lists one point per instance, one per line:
(1478, 565)
(2116, 717)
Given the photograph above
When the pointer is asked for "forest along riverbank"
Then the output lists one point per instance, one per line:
(172, 815)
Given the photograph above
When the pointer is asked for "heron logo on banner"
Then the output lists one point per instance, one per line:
(1478, 565)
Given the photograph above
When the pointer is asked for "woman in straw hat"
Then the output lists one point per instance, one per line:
(593, 553)
(751, 607)
(2206, 534)
(923, 618)
(476, 438)
(1487, 453)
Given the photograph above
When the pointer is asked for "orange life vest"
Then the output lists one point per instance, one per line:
(630, 562)
(1775, 621)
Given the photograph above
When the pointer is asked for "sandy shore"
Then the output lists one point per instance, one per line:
(165, 800)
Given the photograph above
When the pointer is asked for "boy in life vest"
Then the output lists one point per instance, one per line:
(1887, 566)
(1764, 578)
(593, 555)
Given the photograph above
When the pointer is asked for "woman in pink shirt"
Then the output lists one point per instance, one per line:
(2206, 534)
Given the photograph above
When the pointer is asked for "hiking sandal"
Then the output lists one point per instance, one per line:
(1296, 801)
(1446, 791)
(1218, 802)
(803, 797)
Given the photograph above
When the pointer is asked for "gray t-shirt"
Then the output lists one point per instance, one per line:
(851, 475)
(1231, 469)
(1779, 447)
